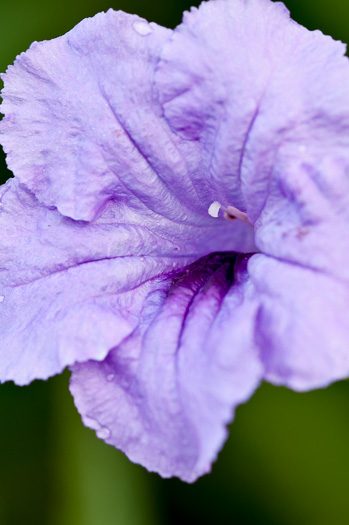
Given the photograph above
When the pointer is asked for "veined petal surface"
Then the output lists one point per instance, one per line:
(166, 393)
(72, 290)
(107, 257)
(302, 328)
(264, 83)
(90, 94)
(268, 103)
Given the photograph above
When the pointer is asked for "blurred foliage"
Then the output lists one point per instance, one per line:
(286, 460)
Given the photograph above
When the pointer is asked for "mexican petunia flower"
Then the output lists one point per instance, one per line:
(176, 230)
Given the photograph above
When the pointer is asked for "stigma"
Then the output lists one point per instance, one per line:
(230, 212)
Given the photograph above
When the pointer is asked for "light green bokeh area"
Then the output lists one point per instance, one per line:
(287, 458)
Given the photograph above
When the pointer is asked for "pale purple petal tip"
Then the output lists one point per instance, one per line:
(301, 326)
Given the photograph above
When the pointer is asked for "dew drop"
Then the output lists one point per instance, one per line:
(103, 433)
(110, 377)
(2, 297)
(142, 28)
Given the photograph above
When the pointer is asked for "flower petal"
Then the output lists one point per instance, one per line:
(305, 218)
(83, 125)
(165, 394)
(262, 82)
(72, 290)
(301, 327)
(268, 102)
(69, 290)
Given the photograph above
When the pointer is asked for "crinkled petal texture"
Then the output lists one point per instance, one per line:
(208, 335)
(106, 201)
(122, 134)
(268, 103)
(90, 94)
(301, 326)
(72, 290)
(79, 94)
(166, 393)
(266, 94)
(69, 290)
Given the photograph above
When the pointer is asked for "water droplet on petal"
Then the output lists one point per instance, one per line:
(2, 297)
(110, 377)
(142, 28)
(103, 433)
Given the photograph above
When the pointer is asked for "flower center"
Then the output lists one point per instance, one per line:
(230, 213)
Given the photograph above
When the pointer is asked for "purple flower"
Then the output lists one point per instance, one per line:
(136, 151)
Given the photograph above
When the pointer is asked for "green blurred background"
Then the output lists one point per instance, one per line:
(287, 457)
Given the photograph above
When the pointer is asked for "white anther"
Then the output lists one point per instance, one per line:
(214, 209)
(230, 212)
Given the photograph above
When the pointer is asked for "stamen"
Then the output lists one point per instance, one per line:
(230, 212)
(214, 209)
